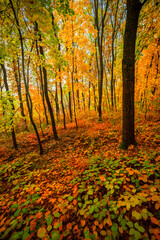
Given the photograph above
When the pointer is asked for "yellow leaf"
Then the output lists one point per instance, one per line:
(153, 189)
(41, 232)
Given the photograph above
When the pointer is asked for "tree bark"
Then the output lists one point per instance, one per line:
(28, 98)
(56, 101)
(128, 72)
(42, 87)
(12, 106)
(70, 105)
(45, 84)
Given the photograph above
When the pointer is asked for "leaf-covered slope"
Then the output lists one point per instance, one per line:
(83, 187)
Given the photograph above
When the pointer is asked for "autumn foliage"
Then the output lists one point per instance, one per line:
(62, 174)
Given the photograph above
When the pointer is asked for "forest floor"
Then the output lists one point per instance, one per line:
(83, 186)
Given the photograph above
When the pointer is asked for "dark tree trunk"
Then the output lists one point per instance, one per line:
(70, 105)
(12, 106)
(113, 56)
(56, 101)
(61, 91)
(107, 91)
(18, 82)
(89, 97)
(84, 104)
(72, 77)
(95, 100)
(42, 87)
(99, 20)
(128, 72)
(49, 103)
(28, 98)
(46, 90)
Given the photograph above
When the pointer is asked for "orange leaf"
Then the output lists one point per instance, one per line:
(30, 237)
(109, 221)
(157, 206)
(155, 221)
(74, 202)
(83, 222)
(2, 229)
(38, 215)
(69, 226)
(102, 178)
(52, 200)
(100, 225)
(2, 222)
(96, 223)
(32, 225)
(156, 231)
(75, 227)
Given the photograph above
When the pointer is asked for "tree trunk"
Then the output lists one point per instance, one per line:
(18, 82)
(128, 72)
(42, 87)
(12, 106)
(56, 101)
(113, 56)
(28, 99)
(70, 105)
(72, 76)
(46, 90)
(89, 97)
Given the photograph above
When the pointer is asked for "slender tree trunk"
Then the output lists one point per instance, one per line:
(70, 105)
(56, 101)
(12, 106)
(42, 87)
(74, 104)
(83, 97)
(99, 24)
(46, 90)
(107, 90)
(128, 72)
(113, 55)
(100, 85)
(72, 77)
(28, 99)
(61, 91)
(89, 97)
(18, 82)
(63, 110)
(95, 101)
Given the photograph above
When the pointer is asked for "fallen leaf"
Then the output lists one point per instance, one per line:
(41, 232)
(155, 221)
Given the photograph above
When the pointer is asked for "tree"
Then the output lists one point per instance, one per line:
(12, 106)
(45, 84)
(102, 6)
(26, 83)
(128, 72)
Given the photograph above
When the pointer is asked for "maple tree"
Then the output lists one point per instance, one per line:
(61, 78)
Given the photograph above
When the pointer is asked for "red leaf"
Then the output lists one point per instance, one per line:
(155, 221)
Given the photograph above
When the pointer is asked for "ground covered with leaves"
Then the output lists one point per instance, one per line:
(84, 186)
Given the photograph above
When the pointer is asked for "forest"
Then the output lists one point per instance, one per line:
(80, 119)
